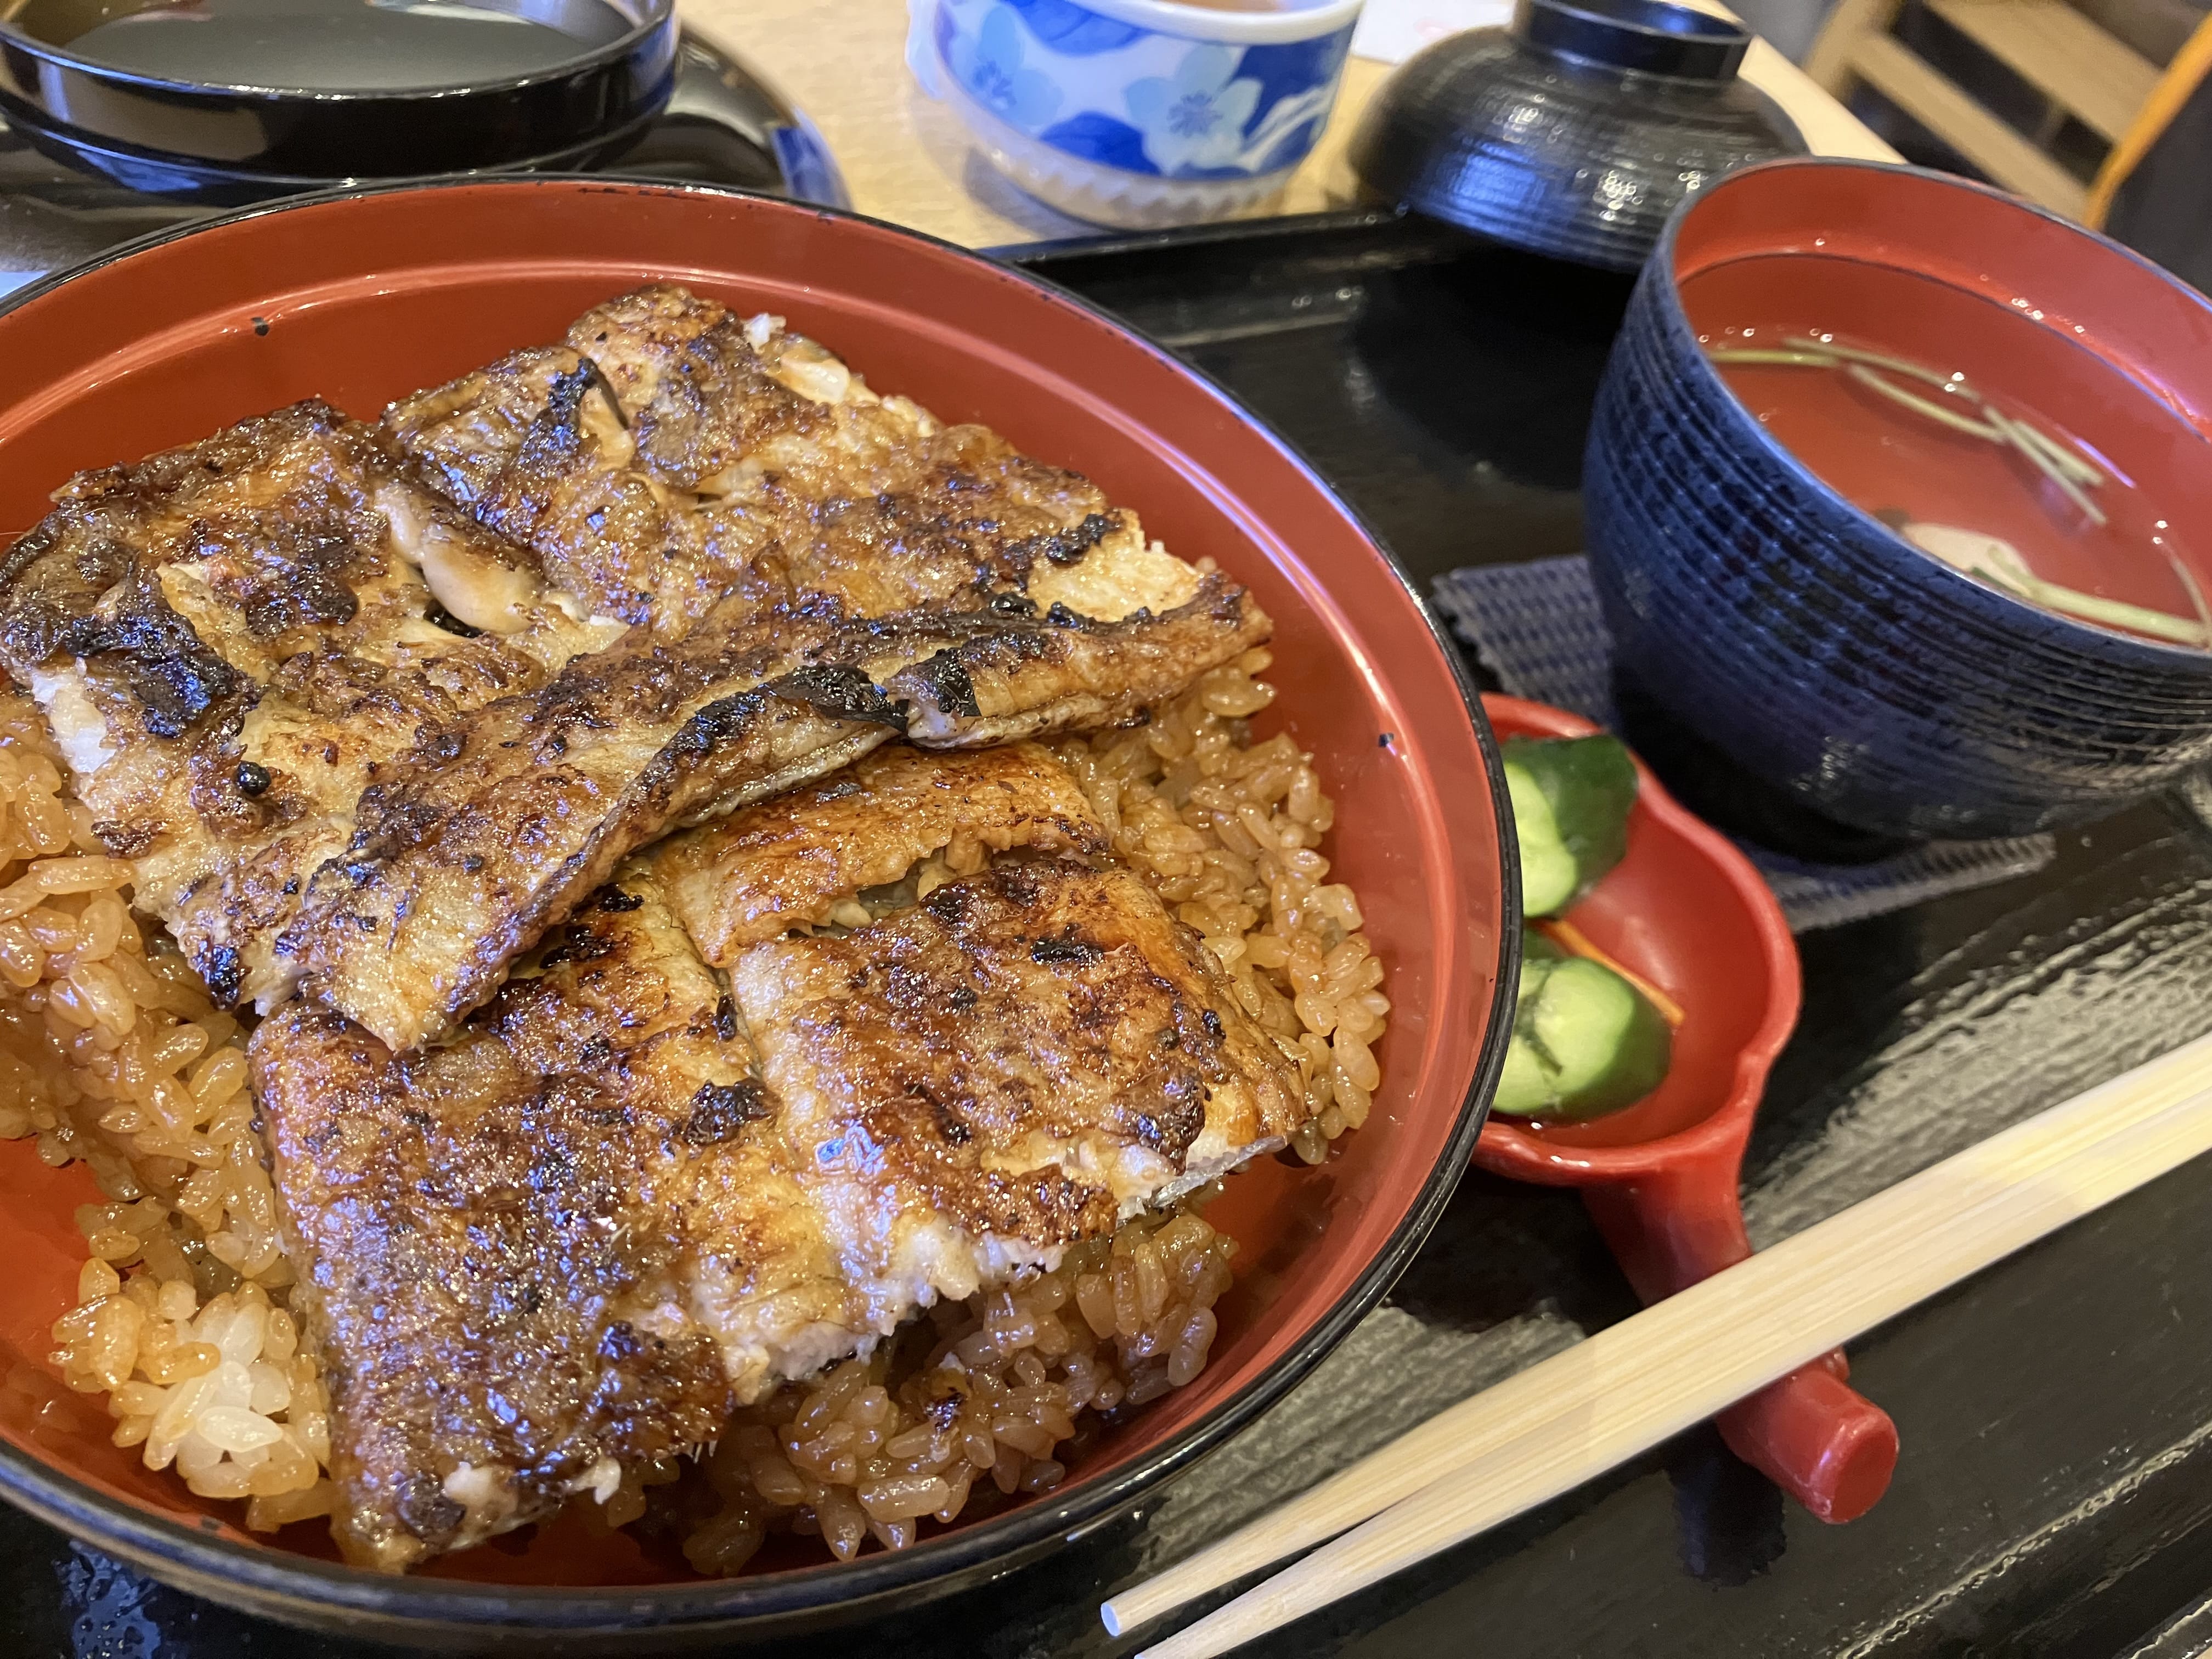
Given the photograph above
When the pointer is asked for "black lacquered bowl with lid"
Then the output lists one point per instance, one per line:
(235, 101)
(1574, 132)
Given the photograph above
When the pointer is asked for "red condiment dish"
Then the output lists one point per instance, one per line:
(1688, 912)
(362, 297)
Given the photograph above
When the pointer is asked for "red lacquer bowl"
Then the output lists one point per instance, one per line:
(363, 297)
(1686, 911)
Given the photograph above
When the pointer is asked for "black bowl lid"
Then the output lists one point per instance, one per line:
(1650, 37)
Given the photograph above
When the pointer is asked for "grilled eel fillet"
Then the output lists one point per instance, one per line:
(797, 860)
(506, 1244)
(492, 828)
(975, 1079)
(895, 574)
(1023, 1058)
(669, 453)
(262, 597)
(573, 1237)
(229, 639)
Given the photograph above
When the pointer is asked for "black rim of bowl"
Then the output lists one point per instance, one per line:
(1683, 338)
(278, 1577)
(653, 14)
(324, 134)
(179, 177)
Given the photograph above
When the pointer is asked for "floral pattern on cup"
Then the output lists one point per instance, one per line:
(989, 64)
(1198, 119)
(1133, 98)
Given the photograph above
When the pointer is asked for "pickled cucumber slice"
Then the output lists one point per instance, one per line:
(1610, 1046)
(1549, 876)
(1571, 797)
(1585, 1041)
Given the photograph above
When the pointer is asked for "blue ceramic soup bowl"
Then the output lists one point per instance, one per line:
(1796, 632)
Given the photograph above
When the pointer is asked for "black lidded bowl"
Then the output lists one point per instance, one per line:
(1574, 132)
(1802, 636)
(377, 102)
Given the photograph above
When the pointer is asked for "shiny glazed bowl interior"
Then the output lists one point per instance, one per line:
(361, 298)
(1800, 635)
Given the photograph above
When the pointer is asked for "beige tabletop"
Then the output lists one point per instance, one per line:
(907, 158)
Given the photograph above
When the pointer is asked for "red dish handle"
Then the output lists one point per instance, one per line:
(1811, 1433)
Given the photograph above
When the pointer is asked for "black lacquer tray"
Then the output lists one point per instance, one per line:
(2054, 1497)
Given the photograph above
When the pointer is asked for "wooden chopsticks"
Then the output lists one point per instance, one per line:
(1632, 1386)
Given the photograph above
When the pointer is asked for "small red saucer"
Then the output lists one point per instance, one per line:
(1686, 911)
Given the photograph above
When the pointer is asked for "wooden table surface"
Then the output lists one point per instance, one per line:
(907, 158)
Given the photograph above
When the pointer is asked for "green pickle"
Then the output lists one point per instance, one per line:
(1571, 797)
(1585, 1041)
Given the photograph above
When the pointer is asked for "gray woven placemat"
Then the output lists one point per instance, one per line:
(1537, 627)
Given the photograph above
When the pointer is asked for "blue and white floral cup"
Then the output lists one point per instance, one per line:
(1137, 112)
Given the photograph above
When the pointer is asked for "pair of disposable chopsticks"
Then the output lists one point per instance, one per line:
(1634, 1385)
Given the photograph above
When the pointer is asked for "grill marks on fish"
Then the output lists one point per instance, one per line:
(598, 1219)
(669, 453)
(535, 449)
(1019, 676)
(229, 640)
(398, 808)
(162, 663)
(965, 1101)
(797, 860)
(889, 572)
(567, 1236)
(470, 847)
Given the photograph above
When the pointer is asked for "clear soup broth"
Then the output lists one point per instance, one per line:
(1796, 352)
